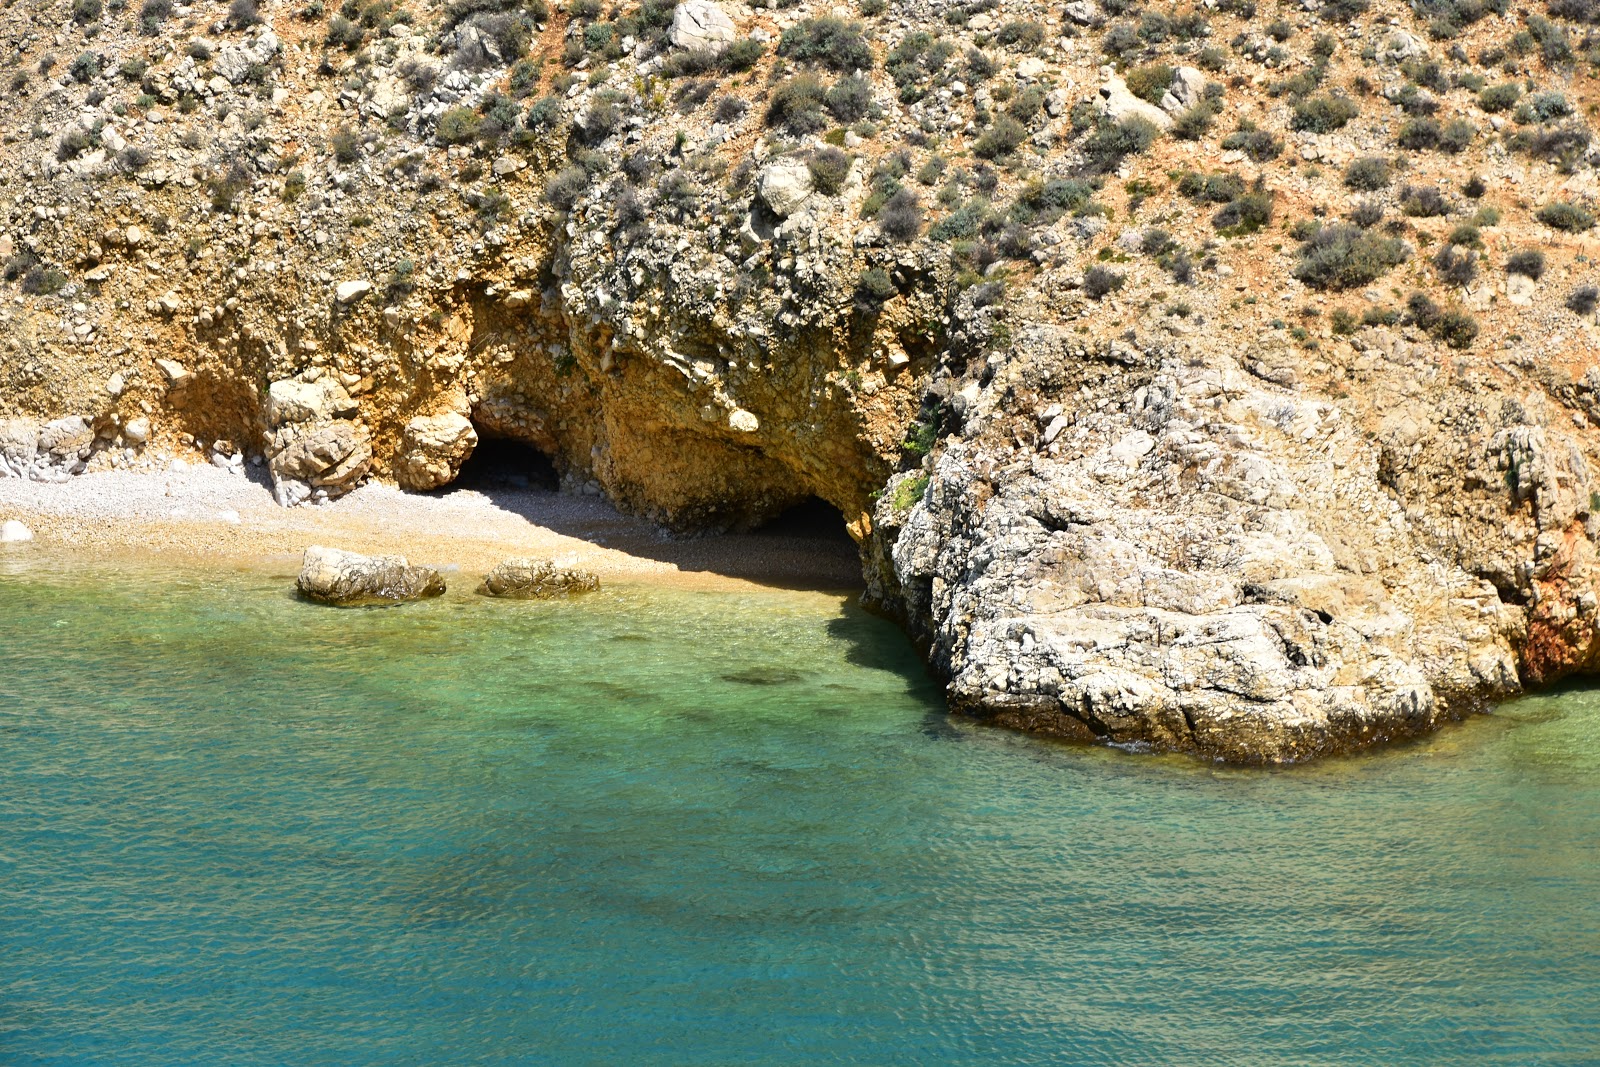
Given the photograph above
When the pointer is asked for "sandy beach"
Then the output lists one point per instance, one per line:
(202, 514)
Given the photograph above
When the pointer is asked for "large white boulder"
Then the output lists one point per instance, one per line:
(433, 449)
(14, 532)
(1188, 89)
(1118, 104)
(702, 25)
(784, 185)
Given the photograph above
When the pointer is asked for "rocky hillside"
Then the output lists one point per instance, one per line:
(1218, 378)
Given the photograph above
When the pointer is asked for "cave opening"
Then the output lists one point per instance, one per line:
(504, 463)
(813, 519)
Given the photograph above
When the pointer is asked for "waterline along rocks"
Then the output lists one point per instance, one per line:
(345, 579)
(1208, 377)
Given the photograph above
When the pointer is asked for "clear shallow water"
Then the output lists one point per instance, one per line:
(673, 827)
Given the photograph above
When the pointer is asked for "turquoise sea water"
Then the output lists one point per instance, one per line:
(701, 828)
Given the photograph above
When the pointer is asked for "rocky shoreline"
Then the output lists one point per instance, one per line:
(1202, 377)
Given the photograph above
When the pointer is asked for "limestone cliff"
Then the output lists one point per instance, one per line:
(1217, 378)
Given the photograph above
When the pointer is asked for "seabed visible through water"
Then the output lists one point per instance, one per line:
(665, 826)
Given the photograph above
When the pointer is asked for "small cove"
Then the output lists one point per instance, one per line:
(687, 826)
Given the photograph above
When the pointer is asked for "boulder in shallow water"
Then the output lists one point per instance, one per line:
(12, 531)
(536, 579)
(330, 576)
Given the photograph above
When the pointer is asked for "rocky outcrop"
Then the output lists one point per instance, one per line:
(345, 579)
(536, 579)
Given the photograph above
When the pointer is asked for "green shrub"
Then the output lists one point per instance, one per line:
(741, 55)
(1562, 146)
(829, 41)
(43, 281)
(84, 68)
(1456, 328)
(345, 34)
(1150, 82)
(1246, 214)
(1456, 135)
(1528, 262)
(1110, 143)
(459, 125)
(829, 168)
(1342, 10)
(345, 145)
(1323, 114)
(961, 224)
(1498, 98)
(72, 144)
(566, 187)
(797, 105)
(874, 286)
(916, 62)
(1418, 135)
(1344, 256)
(1367, 174)
(1100, 281)
(1193, 123)
(900, 218)
(1570, 218)
(1543, 107)
(1045, 202)
(1024, 35)
(1583, 299)
(1002, 138)
(1423, 201)
(85, 11)
(1260, 145)
(1213, 189)
(849, 99)
(1455, 266)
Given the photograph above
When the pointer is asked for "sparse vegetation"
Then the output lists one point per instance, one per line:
(1367, 174)
(1569, 218)
(1099, 281)
(1528, 262)
(1344, 256)
(1323, 114)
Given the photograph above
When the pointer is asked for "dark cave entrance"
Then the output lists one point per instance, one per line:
(813, 519)
(503, 463)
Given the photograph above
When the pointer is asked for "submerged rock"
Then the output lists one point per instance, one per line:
(536, 579)
(330, 576)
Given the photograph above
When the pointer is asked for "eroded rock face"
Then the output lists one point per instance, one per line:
(536, 579)
(330, 576)
(434, 447)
